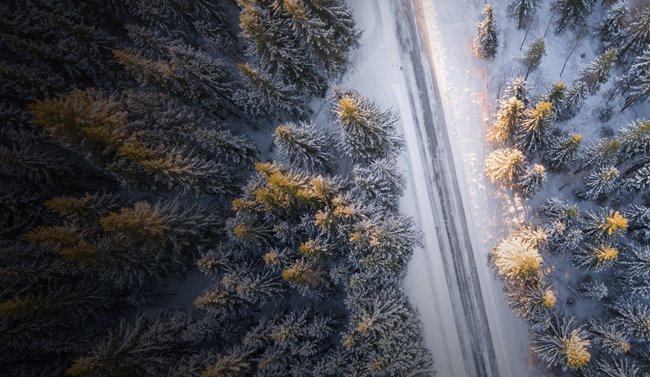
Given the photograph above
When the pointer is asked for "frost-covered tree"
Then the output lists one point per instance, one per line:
(518, 88)
(639, 218)
(635, 139)
(517, 259)
(304, 146)
(505, 166)
(633, 317)
(617, 367)
(366, 132)
(555, 95)
(637, 81)
(562, 151)
(523, 10)
(636, 36)
(531, 181)
(596, 258)
(562, 343)
(593, 288)
(222, 144)
(534, 302)
(571, 13)
(600, 183)
(638, 180)
(613, 25)
(534, 130)
(635, 270)
(610, 337)
(606, 223)
(507, 119)
(533, 55)
(486, 40)
(573, 101)
(597, 72)
(380, 183)
(264, 93)
(601, 152)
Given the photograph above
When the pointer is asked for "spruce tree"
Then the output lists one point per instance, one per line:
(303, 146)
(636, 36)
(534, 131)
(264, 93)
(507, 119)
(635, 139)
(486, 40)
(601, 152)
(380, 183)
(366, 132)
(596, 258)
(592, 288)
(505, 166)
(639, 180)
(613, 25)
(610, 337)
(600, 183)
(637, 81)
(633, 317)
(531, 182)
(517, 260)
(534, 302)
(573, 100)
(523, 10)
(518, 88)
(597, 72)
(562, 343)
(533, 55)
(571, 13)
(562, 151)
(556, 95)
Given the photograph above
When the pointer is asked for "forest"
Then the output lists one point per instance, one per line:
(146, 142)
(577, 269)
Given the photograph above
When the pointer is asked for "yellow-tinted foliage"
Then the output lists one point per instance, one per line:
(348, 110)
(54, 236)
(272, 258)
(301, 273)
(576, 350)
(136, 151)
(548, 298)
(19, 307)
(606, 253)
(613, 223)
(81, 366)
(312, 248)
(517, 260)
(143, 219)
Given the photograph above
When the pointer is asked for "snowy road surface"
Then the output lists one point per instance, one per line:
(467, 323)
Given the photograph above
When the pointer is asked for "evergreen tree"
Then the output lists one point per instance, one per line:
(486, 40)
(635, 139)
(573, 100)
(562, 151)
(533, 302)
(610, 337)
(611, 30)
(597, 72)
(639, 218)
(264, 93)
(601, 152)
(523, 10)
(639, 181)
(636, 36)
(517, 260)
(607, 223)
(505, 166)
(518, 88)
(531, 181)
(563, 344)
(571, 13)
(236, 149)
(618, 367)
(507, 119)
(556, 96)
(380, 183)
(637, 80)
(600, 183)
(303, 146)
(535, 128)
(596, 258)
(533, 56)
(366, 132)
(593, 288)
(633, 317)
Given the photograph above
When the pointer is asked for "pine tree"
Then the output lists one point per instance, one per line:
(304, 146)
(573, 100)
(533, 56)
(556, 95)
(535, 128)
(517, 260)
(601, 152)
(639, 221)
(597, 72)
(236, 149)
(533, 302)
(618, 367)
(380, 183)
(571, 13)
(518, 88)
(523, 10)
(638, 81)
(637, 34)
(633, 317)
(531, 181)
(596, 258)
(635, 139)
(592, 288)
(562, 151)
(264, 93)
(563, 344)
(600, 183)
(610, 337)
(507, 119)
(35, 165)
(505, 166)
(486, 40)
(366, 132)
(613, 25)
(607, 223)
(639, 181)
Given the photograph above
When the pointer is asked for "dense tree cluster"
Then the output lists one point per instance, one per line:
(125, 166)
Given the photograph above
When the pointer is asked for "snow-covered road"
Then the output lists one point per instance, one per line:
(467, 323)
